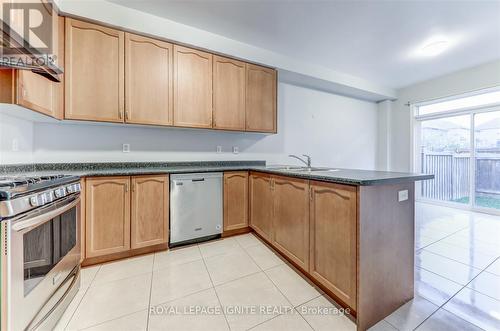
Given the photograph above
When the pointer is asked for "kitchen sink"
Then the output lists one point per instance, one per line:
(303, 169)
(287, 168)
(316, 169)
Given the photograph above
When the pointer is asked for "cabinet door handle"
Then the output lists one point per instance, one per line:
(126, 187)
(311, 195)
(120, 114)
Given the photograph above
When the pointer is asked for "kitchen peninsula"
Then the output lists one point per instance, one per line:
(350, 231)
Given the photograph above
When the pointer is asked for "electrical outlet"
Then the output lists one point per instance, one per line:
(402, 195)
(15, 145)
(236, 150)
(219, 149)
(126, 148)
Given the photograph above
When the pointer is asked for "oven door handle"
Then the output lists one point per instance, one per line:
(40, 219)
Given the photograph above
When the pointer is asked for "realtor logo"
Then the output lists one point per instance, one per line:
(27, 25)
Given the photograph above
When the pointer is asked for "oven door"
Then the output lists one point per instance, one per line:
(43, 251)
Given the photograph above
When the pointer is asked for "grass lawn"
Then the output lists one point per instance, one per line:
(487, 202)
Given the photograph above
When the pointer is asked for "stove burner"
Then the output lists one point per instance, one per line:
(12, 182)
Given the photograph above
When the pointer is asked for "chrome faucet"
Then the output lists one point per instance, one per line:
(307, 162)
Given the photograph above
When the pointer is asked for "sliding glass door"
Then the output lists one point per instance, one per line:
(487, 160)
(445, 151)
(461, 147)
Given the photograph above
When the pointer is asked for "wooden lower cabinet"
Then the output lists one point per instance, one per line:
(107, 226)
(235, 200)
(333, 239)
(291, 219)
(261, 204)
(149, 209)
(125, 214)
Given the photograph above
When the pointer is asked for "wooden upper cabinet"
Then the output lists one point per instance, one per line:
(291, 219)
(192, 88)
(333, 215)
(148, 81)
(261, 204)
(33, 91)
(260, 99)
(107, 215)
(235, 200)
(150, 201)
(229, 94)
(94, 86)
(38, 93)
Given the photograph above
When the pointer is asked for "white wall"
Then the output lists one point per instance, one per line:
(293, 69)
(337, 131)
(483, 76)
(19, 132)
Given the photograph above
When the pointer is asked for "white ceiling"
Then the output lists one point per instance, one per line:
(374, 40)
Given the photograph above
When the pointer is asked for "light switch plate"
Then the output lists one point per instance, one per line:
(236, 150)
(402, 195)
(219, 149)
(126, 148)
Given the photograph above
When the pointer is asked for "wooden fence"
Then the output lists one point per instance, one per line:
(452, 173)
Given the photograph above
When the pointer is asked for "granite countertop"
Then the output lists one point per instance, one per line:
(344, 176)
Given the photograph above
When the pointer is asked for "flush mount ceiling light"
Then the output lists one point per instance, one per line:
(434, 48)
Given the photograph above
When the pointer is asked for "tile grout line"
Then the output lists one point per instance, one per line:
(286, 298)
(120, 261)
(150, 291)
(463, 287)
(264, 272)
(481, 269)
(79, 302)
(391, 324)
(113, 319)
(475, 267)
(446, 236)
(213, 286)
(102, 322)
(463, 247)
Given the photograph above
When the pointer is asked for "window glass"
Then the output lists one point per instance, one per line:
(471, 101)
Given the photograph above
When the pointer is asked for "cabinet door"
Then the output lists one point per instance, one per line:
(291, 219)
(260, 99)
(148, 81)
(94, 72)
(37, 93)
(229, 94)
(261, 205)
(107, 215)
(192, 88)
(150, 201)
(333, 239)
(235, 200)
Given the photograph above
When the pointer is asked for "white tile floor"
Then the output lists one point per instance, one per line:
(457, 273)
(457, 285)
(158, 291)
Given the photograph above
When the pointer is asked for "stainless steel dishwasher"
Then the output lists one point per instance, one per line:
(195, 207)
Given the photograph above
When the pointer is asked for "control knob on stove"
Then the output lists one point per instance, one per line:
(34, 201)
(60, 192)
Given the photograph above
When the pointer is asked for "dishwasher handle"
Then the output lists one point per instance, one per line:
(198, 179)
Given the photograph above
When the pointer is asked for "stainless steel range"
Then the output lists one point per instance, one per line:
(40, 261)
